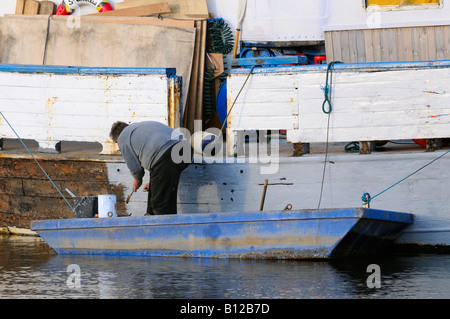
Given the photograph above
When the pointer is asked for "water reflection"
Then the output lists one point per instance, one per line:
(30, 269)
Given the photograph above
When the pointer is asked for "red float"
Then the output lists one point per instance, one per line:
(67, 6)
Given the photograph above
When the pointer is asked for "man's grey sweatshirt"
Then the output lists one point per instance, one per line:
(142, 144)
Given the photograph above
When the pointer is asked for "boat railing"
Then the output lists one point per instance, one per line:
(50, 104)
(368, 102)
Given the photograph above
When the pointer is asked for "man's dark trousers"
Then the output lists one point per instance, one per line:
(164, 179)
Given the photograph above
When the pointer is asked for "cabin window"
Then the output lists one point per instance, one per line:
(386, 5)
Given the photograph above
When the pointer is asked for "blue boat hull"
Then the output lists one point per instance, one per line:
(304, 234)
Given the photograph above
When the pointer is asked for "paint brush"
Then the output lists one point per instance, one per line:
(129, 196)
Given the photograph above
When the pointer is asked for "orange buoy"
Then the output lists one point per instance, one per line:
(67, 6)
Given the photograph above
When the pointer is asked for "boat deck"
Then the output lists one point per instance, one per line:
(91, 151)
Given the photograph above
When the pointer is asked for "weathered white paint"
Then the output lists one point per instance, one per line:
(7, 7)
(54, 107)
(306, 20)
(369, 102)
(238, 186)
(272, 20)
(351, 14)
(301, 20)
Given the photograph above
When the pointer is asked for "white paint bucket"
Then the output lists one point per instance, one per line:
(107, 206)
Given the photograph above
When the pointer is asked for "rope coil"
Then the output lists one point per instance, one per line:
(327, 88)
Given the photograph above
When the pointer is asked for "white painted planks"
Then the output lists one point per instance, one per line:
(49, 107)
(267, 102)
(67, 40)
(368, 103)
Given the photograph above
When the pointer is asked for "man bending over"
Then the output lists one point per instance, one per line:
(148, 145)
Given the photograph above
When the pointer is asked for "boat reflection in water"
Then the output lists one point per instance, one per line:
(30, 269)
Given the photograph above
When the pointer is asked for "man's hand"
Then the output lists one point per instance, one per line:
(146, 187)
(136, 184)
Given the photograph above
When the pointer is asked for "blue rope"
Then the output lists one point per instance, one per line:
(327, 92)
(36, 160)
(366, 198)
(327, 88)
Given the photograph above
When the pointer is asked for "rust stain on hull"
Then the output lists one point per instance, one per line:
(251, 246)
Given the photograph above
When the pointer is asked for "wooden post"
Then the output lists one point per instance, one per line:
(47, 8)
(366, 147)
(261, 206)
(20, 6)
(174, 102)
(141, 11)
(31, 7)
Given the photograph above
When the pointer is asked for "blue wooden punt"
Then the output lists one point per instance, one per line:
(301, 234)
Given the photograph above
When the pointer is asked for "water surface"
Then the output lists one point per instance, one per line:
(30, 269)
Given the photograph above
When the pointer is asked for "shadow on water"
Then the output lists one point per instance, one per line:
(400, 275)
(30, 269)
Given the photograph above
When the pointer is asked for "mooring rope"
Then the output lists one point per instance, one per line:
(327, 100)
(43, 170)
(239, 93)
(366, 198)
